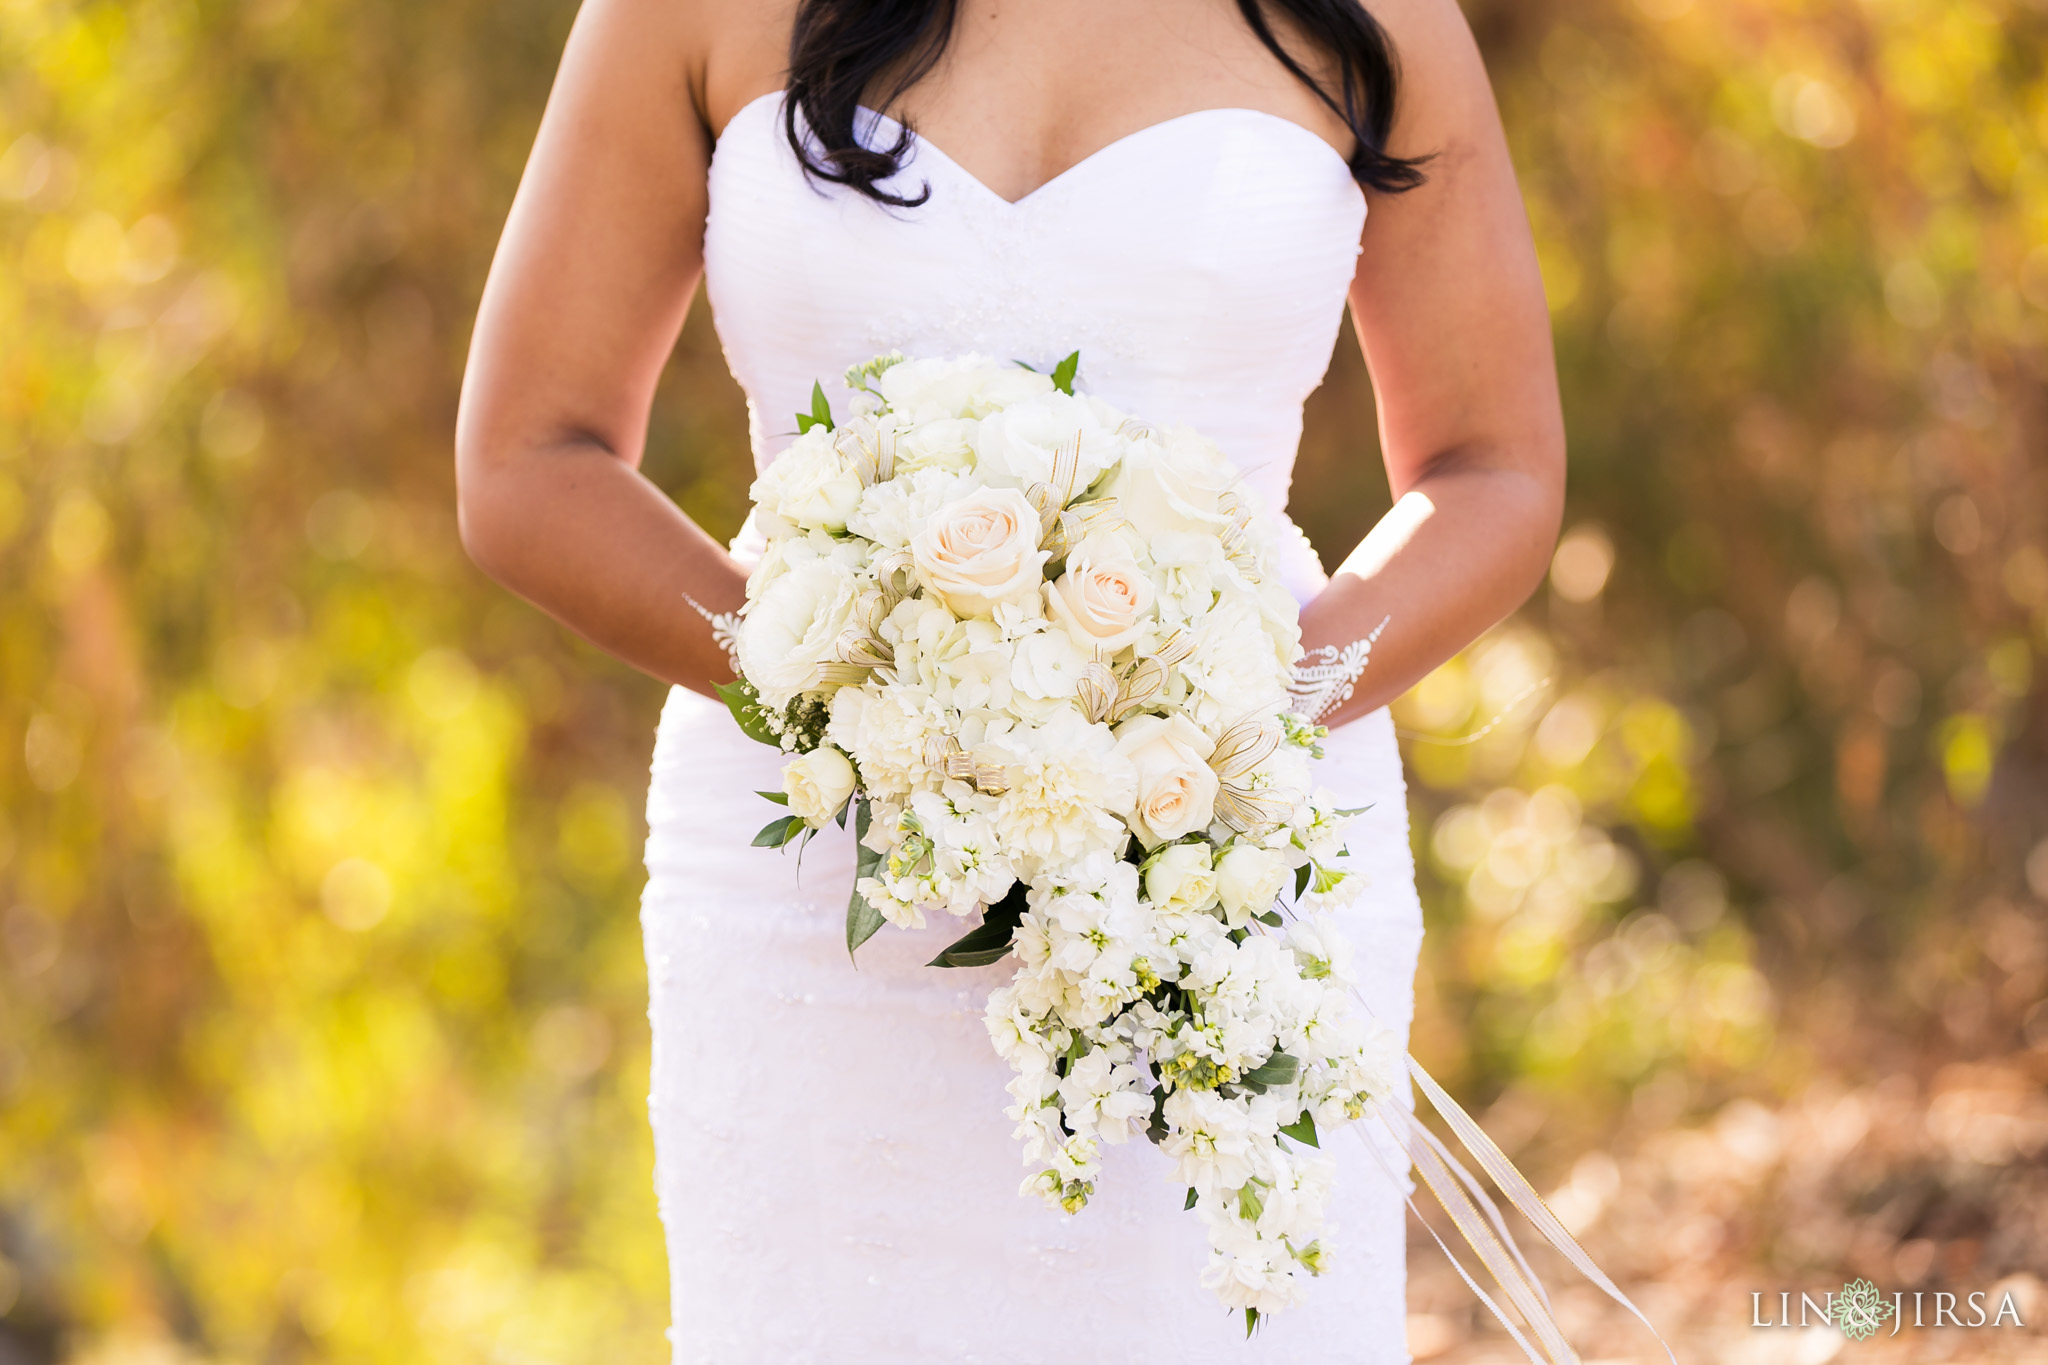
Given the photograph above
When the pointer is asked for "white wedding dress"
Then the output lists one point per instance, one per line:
(836, 1175)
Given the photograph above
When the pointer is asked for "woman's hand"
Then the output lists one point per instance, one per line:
(592, 279)
(1449, 309)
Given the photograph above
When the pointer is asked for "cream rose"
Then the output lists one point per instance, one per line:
(1176, 786)
(980, 550)
(1181, 878)
(1102, 599)
(1248, 880)
(817, 785)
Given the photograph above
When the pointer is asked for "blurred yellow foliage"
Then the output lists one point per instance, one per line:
(321, 994)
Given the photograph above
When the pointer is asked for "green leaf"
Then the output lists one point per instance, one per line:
(990, 940)
(1303, 1129)
(779, 798)
(1301, 876)
(1063, 373)
(745, 704)
(780, 831)
(862, 919)
(1190, 1200)
(1251, 1322)
(1278, 1069)
(844, 806)
(820, 414)
(1156, 1129)
(1271, 917)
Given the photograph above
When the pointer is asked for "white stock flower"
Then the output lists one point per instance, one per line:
(1175, 792)
(1181, 878)
(1248, 880)
(1101, 1098)
(1014, 1031)
(1209, 1139)
(809, 484)
(1016, 447)
(981, 549)
(817, 785)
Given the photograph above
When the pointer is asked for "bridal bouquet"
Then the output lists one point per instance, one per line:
(1039, 652)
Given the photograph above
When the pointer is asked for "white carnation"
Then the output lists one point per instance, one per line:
(893, 511)
(1062, 781)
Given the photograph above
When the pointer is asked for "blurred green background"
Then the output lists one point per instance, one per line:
(322, 1025)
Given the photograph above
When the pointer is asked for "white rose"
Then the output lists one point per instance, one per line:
(1016, 446)
(1181, 878)
(817, 785)
(979, 550)
(1047, 666)
(791, 628)
(945, 443)
(1248, 880)
(809, 484)
(1176, 786)
(1172, 484)
(1103, 597)
(970, 386)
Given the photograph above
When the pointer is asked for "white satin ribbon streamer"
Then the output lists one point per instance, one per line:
(1523, 1196)
(1479, 1221)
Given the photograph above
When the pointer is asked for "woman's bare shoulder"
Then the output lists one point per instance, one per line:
(726, 53)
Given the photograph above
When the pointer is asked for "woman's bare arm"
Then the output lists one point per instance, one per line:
(1450, 312)
(592, 279)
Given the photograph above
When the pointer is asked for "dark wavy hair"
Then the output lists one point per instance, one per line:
(839, 49)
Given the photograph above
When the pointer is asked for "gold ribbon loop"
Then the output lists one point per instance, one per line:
(1096, 689)
(870, 448)
(1246, 811)
(893, 576)
(840, 674)
(1176, 648)
(942, 753)
(1245, 746)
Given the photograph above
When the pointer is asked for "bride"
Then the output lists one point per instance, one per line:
(1177, 188)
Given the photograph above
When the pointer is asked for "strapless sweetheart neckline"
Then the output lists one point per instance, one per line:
(837, 1175)
(1108, 151)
